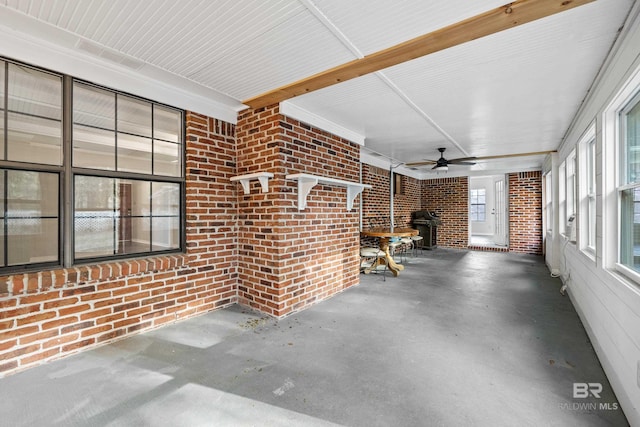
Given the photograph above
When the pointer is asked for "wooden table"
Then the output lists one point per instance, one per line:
(383, 235)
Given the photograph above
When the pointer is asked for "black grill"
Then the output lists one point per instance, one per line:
(427, 223)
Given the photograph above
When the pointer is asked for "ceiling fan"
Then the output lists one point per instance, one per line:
(442, 164)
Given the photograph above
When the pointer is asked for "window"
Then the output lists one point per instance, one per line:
(588, 190)
(571, 186)
(125, 171)
(629, 187)
(478, 205)
(30, 166)
(562, 196)
(398, 184)
(548, 185)
(135, 212)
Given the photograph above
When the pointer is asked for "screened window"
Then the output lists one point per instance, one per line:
(33, 115)
(132, 212)
(125, 167)
(478, 205)
(30, 159)
(123, 216)
(629, 188)
(30, 217)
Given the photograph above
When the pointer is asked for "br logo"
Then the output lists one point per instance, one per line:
(583, 390)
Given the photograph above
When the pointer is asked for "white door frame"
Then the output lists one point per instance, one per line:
(500, 207)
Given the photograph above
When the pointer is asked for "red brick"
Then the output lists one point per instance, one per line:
(58, 322)
(35, 318)
(59, 303)
(6, 345)
(28, 360)
(63, 339)
(28, 339)
(77, 345)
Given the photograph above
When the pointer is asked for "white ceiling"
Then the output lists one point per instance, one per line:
(512, 92)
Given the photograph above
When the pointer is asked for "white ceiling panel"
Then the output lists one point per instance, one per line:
(512, 92)
(518, 89)
(275, 59)
(357, 101)
(373, 25)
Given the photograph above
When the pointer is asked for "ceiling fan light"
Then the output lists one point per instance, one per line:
(442, 168)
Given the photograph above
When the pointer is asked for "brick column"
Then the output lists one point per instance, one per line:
(289, 259)
(525, 212)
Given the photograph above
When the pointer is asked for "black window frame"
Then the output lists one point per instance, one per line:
(67, 172)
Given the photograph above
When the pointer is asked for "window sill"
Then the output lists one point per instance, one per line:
(590, 253)
(46, 280)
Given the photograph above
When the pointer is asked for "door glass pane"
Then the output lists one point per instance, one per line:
(134, 154)
(94, 148)
(166, 233)
(167, 124)
(94, 107)
(134, 116)
(166, 159)
(34, 140)
(35, 93)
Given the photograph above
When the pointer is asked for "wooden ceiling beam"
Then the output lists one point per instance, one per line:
(499, 19)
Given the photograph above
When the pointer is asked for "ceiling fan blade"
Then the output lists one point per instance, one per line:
(463, 160)
(422, 163)
(505, 156)
(456, 162)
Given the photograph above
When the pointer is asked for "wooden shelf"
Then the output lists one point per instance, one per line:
(307, 181)
(263, 177)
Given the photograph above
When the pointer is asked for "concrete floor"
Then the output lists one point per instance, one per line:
(459, 338)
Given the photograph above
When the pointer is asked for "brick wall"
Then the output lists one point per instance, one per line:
(449, 197)
(289, 259)
(49, 314)
(375, 209)
(525, 212)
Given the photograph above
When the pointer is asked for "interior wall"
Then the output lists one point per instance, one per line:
(608, 304)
